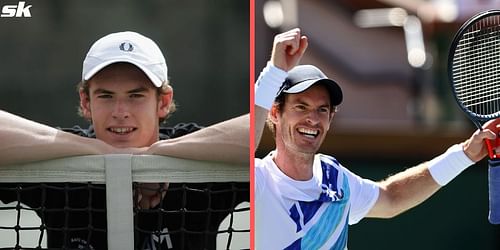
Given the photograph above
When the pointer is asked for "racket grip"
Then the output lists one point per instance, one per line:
(491, 145)
(494, 191)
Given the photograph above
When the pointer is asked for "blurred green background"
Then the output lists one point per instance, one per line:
(205, 42)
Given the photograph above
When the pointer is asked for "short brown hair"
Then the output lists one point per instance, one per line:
(280, 102)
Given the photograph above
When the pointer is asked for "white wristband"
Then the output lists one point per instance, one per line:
(268, 84)
(447, 166)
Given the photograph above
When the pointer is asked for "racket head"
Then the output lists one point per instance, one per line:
(474, 67)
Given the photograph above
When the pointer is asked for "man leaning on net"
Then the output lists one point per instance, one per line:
(306, 200)
(125, 94)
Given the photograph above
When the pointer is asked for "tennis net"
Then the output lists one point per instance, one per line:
(93, 202)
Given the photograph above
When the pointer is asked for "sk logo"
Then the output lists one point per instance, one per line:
(19, 10)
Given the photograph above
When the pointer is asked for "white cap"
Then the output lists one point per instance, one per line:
(130, 47)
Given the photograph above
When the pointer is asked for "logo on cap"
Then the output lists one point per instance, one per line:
(126, 46)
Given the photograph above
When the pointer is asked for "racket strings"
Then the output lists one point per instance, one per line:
(476, 67)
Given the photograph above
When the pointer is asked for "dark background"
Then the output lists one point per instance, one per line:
(205, 42)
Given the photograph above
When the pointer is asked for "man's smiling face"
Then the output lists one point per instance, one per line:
(304, 121)
(124, 106)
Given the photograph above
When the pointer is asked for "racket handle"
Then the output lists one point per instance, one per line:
(491, 145)
(494, 190)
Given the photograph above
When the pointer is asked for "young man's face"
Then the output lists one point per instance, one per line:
(304, 121)
(124, 106)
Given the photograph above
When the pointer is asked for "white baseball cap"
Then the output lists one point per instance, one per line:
(130, 47)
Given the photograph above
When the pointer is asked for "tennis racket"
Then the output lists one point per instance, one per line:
(474, 73)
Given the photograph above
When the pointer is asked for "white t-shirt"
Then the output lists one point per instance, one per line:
(311, 214)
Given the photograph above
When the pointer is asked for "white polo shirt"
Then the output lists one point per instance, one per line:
(311, 214)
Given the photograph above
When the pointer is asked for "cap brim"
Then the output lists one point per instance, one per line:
(155, 80)
(332, 86)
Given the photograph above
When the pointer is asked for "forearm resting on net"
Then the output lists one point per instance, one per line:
(226, 141)
(24, 141)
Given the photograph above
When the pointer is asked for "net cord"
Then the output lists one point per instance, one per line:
(145, 169)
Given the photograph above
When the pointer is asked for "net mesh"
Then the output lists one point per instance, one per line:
(476, 68)
(194, 214)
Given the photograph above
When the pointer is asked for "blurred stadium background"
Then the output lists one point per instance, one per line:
(206, 45)
(390, 58)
